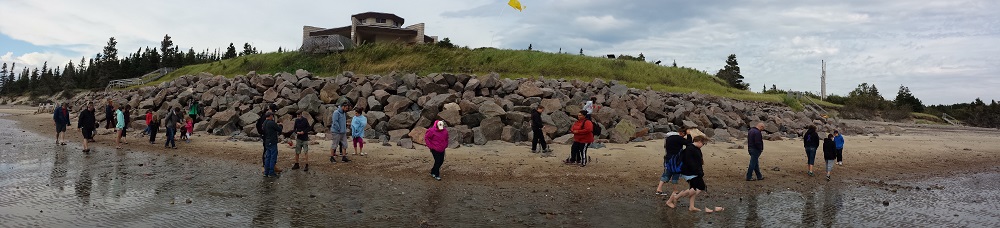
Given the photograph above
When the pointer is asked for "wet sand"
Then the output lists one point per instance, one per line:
(499, 184)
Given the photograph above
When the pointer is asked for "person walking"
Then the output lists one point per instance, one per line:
(538, 137)
(811, 142)
(260, 128)
(301, 141)
(171, 122)
(149, 119)
(755, 145)
(829, 154)
(109, 114)
(87, 123)
(61, 118)
(154, 127)
(672, 145)
(188, 129)
(436, 140)
(194, 110)
(119, 126)
(692, 171)
(358, 124)
(338, 130)
(127, 120)
(271, 132)
(582, 137)
(591, 107)
(839, 140)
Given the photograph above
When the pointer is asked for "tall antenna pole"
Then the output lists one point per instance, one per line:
(823, 81)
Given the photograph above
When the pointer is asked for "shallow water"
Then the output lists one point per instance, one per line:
(45, 185)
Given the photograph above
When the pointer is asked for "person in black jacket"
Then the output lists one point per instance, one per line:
(536, 129)
(272, 108)
(271, 132)
(829, 154)
(302, 140)
(87, 123)
(811, 141)
(673, 145)
(692, 171)
(154, 127)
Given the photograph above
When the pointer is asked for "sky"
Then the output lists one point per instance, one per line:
(945, 51)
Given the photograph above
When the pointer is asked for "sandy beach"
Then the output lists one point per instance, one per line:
(513, 186)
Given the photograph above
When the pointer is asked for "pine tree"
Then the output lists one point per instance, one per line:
(905, 99)
(108, 68)
(641, 57)
(731, 74)
(248, 50)
(581, 51)
(529, 47)
(167, 53)
(675, 65)
(230, 52)
(3, 78)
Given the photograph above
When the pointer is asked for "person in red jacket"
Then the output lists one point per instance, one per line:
(582, 138)
(436, 139)
(149, 118)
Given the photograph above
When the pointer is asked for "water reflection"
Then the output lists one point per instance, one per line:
(265, 203)
(809, 209)
(83, 183)
(57, 177)
(832, 203)
(753, 219)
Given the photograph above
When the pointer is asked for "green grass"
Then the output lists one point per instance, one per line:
(927, 117)
(383, 58)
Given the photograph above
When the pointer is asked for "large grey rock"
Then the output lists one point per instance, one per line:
(491, 81)
(478, 137)
(562, 122)
(450, 116)
(396, 135)
(528, 89)
(552, 105)
(491, 109)
(403, 120)
(623, 132)
(417, 135)
(328, 94)
(397, 105)
(310, 103)
(249, 118)
(492, 127)
(439, 100)
(270, 95)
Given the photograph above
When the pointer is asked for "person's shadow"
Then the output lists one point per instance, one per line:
(809, 209)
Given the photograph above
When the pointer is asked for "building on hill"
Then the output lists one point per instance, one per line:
(369, 27)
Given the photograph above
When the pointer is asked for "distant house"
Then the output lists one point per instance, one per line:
(372, 27)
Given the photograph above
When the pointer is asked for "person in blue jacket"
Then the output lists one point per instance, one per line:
(839, 140)
(61, 118)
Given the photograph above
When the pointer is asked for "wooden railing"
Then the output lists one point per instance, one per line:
(149, 77)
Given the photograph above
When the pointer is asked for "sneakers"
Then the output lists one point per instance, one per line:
(436, 177)
(547, 150)
(840, 163)
(306, 169)
(345, 159)
(827, 178)
(811, 173)
(333, 159)
(295, 166)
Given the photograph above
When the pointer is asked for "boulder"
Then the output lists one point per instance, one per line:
(722, 135)
(552, 105)
(491, 109)
(473, 120)
(478, 137)
(328, 94)
(457, 136)
(623, 132)
(403, 120)
(223, 118)
(405, 144)
(492, 128)
(562, 122)
(417, 135)
(395, 135)
(528, 89)
(270, 95)
(397, 105)
(439, 100)
(565, 139)
(387, 83)
(310, 103)
(249, 118)
(450, 116)
(452, 106)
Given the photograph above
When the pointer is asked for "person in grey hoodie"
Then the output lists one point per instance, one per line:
(436, 139)
(338, 130)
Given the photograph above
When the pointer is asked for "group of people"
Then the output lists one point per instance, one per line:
(118, 116)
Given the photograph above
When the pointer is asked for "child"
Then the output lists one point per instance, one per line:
(692, 171)
(829, 154)
(152, 127)
(188, 129)
(358, 124)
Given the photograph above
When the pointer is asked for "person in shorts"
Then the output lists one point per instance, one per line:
(672, 145)
(87, 123)
(301, 141)
(338, 131)
(61, 118)
(692, 171)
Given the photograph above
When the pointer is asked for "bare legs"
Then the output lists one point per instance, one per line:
(691, 193)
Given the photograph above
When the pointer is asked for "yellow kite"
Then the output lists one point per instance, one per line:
(516, 4)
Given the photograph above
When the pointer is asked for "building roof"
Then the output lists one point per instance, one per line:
(379, 15)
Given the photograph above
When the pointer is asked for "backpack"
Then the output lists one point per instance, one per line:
(673, 163)
(597, 128)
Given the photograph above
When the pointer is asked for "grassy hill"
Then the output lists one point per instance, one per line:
(425, 59)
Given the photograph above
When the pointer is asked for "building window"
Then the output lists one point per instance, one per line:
(380, 20)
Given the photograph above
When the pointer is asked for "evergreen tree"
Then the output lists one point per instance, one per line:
(529, 47)
(230, 52)
(641, 57)
(581, 51)
(109, 64)
(905, 99)
(675, 65)
(69, 80)
(167, 52)
(731, 74)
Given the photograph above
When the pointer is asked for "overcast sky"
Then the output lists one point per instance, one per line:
(944, 51)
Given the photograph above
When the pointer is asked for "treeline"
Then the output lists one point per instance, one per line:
(97, 71)
(976, 113)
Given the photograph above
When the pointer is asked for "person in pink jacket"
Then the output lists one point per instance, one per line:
(436, 139)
